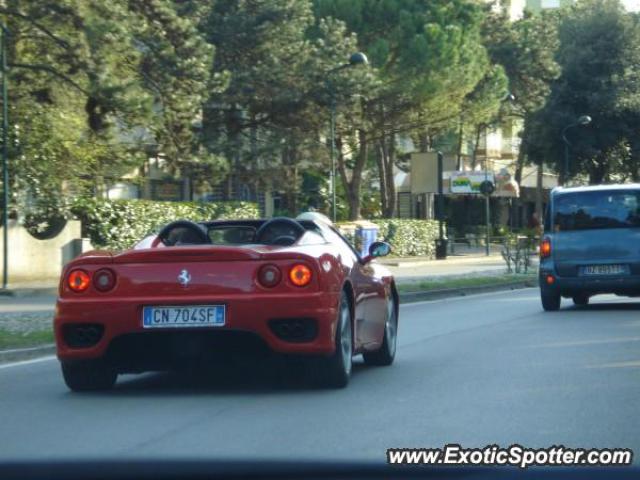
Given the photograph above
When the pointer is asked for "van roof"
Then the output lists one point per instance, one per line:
(596, 188)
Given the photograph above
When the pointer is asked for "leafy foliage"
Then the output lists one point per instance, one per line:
(407, 237)
(428, 57)
(599, 54)
(247, 86)
(118, 224)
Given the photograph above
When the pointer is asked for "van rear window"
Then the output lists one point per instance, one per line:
(597, 210)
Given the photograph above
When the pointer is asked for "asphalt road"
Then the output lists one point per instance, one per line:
(476, 371)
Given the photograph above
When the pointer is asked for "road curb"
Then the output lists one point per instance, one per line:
(409, 297)
(19, 354)
(29, 292)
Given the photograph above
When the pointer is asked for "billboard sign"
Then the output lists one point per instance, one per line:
(468, 182)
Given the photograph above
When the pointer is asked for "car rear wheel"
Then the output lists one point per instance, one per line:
(550, 299)
(387, 351)
(335, 371)
(581, 299)
(84, 376)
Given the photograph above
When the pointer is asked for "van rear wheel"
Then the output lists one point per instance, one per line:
(550, 300)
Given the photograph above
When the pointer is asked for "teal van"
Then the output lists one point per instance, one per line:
(591, 244)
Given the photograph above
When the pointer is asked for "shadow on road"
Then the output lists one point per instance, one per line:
(225, 379)
(613, 306)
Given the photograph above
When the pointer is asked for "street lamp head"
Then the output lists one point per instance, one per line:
(584, 120)
(358, 58)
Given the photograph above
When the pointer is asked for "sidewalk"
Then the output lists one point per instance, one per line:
(28, 312)
(415, 269)
(40, 296)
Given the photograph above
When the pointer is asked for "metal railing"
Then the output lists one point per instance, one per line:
(518, 251)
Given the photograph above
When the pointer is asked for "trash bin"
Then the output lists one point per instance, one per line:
(441, 248)
(366, 234)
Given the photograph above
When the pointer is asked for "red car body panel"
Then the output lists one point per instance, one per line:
(228, 275)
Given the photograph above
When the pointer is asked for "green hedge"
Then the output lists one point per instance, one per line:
(119, 224)
(409, 237)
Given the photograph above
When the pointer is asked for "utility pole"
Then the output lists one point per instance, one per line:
(5, 159)
(332, 134)
(487, 207)
(356, 59)
(441, 243)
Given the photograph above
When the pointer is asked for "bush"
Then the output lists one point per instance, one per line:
(119, 224)
(408, 237)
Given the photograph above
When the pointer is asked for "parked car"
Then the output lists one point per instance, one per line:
(591, 244)
(205, 291)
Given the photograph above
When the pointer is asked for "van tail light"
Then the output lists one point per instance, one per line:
(78, 280)
(300, 275)
(104, 280)
(545, 248)
(269, 276)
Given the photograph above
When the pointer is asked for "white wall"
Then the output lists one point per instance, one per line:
(33, 260)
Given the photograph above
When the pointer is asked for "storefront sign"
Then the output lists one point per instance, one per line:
(468, 182)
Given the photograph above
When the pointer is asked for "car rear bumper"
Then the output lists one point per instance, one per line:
(103, 326)
(628, 285)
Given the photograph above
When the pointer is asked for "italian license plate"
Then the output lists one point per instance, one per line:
(191, 316)
(605, 270)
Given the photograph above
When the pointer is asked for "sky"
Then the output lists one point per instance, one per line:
(632, 5)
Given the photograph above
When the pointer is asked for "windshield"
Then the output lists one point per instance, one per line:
(232, 235)
(597, 210)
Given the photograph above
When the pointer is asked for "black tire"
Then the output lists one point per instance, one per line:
(386, 353)
(581, 299)
(335, 371)
(550, 300)
(85, 376)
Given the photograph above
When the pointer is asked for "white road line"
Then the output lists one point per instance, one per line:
(27, 362)
(29, 349)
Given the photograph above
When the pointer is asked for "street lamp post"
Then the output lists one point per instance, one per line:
(357, 58)
(5, 166)
(582, 121)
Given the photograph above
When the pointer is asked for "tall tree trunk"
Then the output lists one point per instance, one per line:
(634, 160)
(390, 162)
(353, 185)
(380, 159)
(539, 191)
(599, 170)
(474, 158)
(424, 142)
(386, 159)
(96, 119)
(289, 159)
(459, 146)
(518, 179)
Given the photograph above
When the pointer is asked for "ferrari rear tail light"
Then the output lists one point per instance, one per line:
(300, 275)
(545, 248)
(269, 276)
(104, 280)
(78, 280)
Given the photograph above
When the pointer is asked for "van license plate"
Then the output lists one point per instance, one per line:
(605, 270)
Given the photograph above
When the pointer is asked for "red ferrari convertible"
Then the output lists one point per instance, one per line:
(206, 291)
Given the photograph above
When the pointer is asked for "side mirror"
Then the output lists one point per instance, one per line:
(377, 249)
